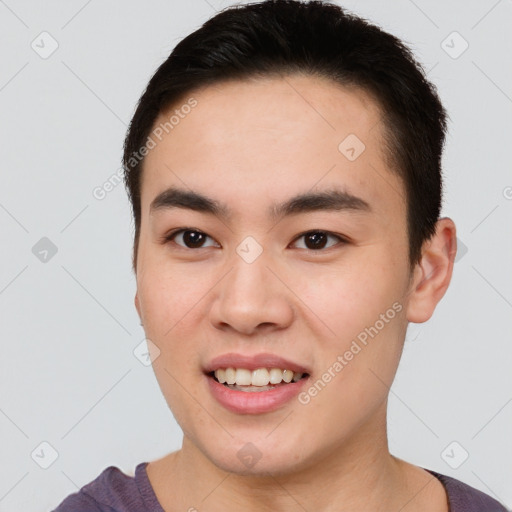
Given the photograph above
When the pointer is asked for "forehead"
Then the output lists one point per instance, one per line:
(251, 140)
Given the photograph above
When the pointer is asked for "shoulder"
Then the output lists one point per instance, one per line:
(464, 498)
(113, 491)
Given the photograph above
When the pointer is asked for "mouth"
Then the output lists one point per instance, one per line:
(254, 384)
(255, 381)
(244, 397)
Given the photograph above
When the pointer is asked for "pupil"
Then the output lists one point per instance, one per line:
(318, 239)
(193, 239)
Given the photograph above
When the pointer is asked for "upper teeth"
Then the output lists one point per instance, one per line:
(259, 377)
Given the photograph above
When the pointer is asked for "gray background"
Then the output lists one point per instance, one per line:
(68, 374)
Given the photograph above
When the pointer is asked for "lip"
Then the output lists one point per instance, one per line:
(258, 402)
(253, 362)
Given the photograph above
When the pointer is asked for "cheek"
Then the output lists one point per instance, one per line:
(169, 298)
(349, 298)
(359, 308)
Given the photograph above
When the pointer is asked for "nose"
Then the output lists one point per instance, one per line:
(252, 297)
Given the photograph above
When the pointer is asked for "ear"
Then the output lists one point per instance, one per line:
(433, 273)
(137, 305)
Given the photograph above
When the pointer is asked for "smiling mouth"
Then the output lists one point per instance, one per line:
(261, 379)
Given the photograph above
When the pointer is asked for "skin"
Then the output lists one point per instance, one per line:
(250, 144)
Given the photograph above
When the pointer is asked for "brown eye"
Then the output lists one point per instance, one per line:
(315, 240)
(191, 238)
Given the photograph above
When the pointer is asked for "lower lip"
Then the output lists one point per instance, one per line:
(257, 402)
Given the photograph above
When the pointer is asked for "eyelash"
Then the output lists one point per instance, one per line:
(170, 238)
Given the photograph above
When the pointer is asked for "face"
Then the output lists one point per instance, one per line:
(319, 287)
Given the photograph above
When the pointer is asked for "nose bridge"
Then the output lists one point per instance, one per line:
(250, 275)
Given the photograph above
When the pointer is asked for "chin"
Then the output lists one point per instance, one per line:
(279, 465)
(258, 457)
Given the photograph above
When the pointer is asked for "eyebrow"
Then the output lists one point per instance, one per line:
(327, 200)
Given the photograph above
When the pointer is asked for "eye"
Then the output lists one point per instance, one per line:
(192, 238)
(315, 240)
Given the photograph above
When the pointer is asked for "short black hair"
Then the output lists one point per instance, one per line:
(317, 38)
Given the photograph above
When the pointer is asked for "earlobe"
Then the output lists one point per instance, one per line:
(433, 273)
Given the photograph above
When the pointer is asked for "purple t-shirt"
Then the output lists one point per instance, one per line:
(114, 491)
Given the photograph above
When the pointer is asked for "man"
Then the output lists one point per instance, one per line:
(284, 170)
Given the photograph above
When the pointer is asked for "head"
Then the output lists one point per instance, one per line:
(303, 149)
